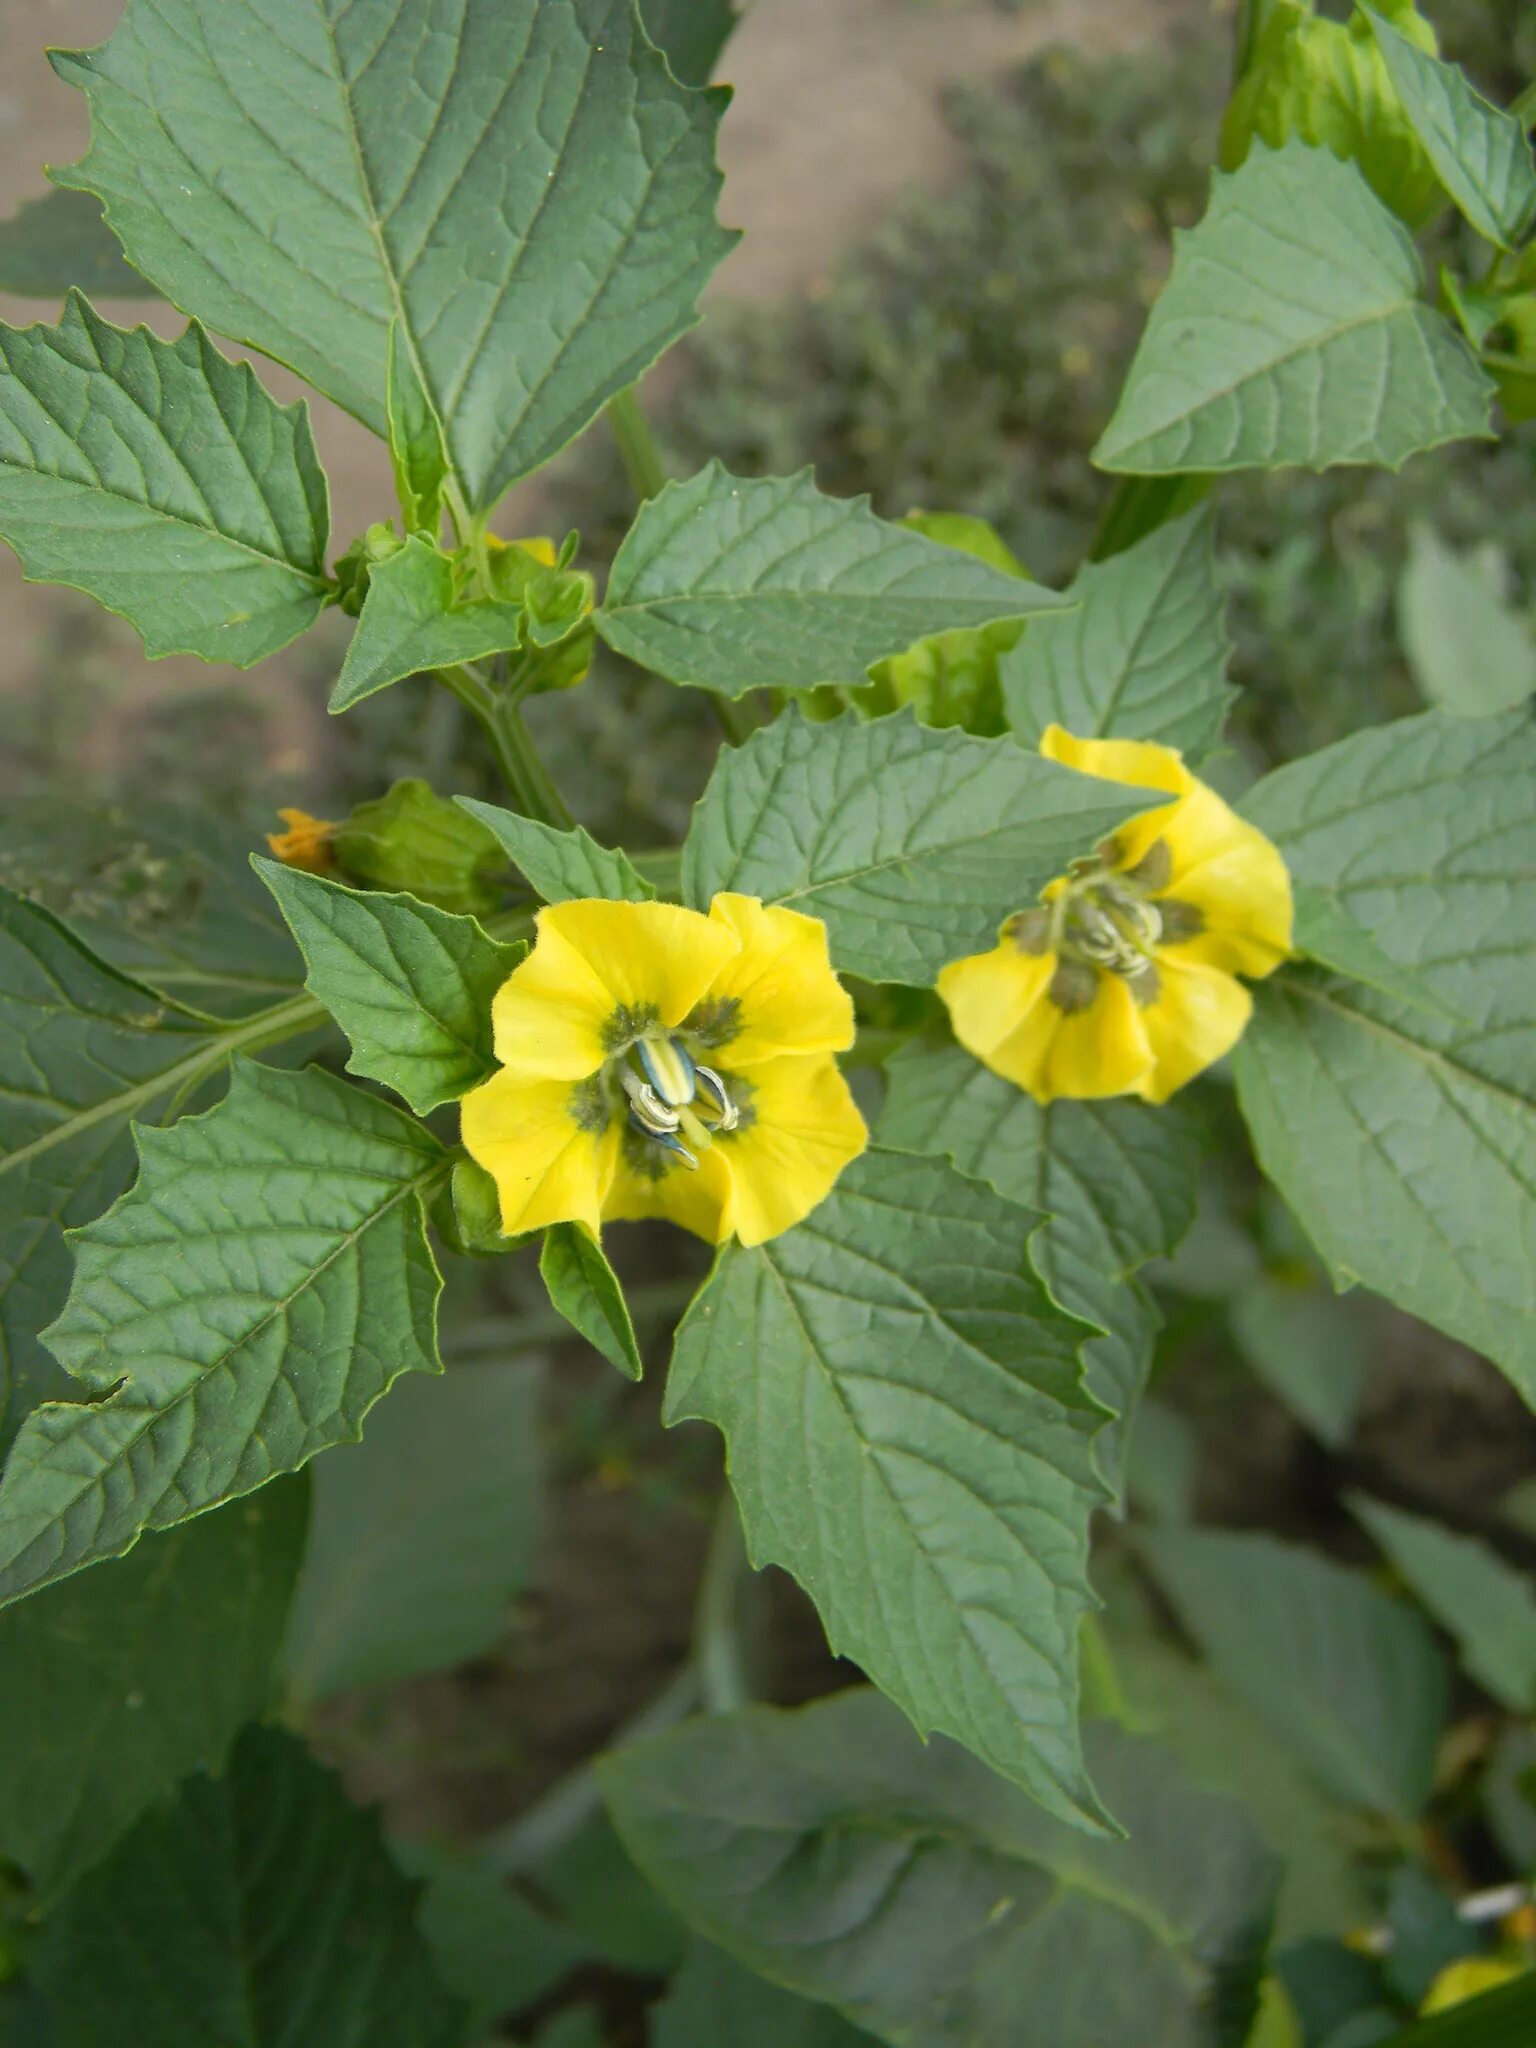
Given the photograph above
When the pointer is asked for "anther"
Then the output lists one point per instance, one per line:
(717, 1097)
(668, 1068)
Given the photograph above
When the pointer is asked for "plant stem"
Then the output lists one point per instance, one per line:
(1524, 106)
(719, 1645)
(511, 743)
(637, 443)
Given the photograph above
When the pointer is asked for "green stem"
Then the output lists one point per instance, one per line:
(511, 743)
(719, 1631)
(637, 443)
(1524, 106)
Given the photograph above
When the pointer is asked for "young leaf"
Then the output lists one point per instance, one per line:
(60, 243)
(691, 32)
(82, 1049)
(1404, 1135)
(584, 1288)
(1143, 657)
(561, 865)
(1292, 330)
(521, 182)
(164, 482)
(411, 986)
(1116, 1182)
(713, 1999)
(292, 1928)
(1482, 153)
(1472, 653)
(1347, 1679)
(421, 1534)
(727, 583)
(265, 1281)
(116, 1684)
(906, 1886)
(912, 844)
(907, 1433)
(416, 451)
(1483, 1602)
(410, 622)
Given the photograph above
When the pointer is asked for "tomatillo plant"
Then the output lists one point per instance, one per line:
(979, 952)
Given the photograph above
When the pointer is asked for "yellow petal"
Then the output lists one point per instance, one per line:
(1001, 1009)
(1101, 1050)
(989, 995)
(596, 969)
(1235, 878)
(1200, 1013)
(550, 1160)
(801, 1127)
(779, 993)
(306, 844)
(1142, 762)
(697, 1198)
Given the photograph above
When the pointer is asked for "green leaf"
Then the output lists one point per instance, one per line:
(561, 865)
(1143, 657)
(1502, 2018)
(1471, 652)
(931, 1903)
(1481, 153)
(1326, 83)
(713, 1999)
(1225, 1748)
(1484, 1603)
(116, 1684)
(728, 583)
(60, 242)
(912, 844)
(264, 1282)
(164, 482)
(1404, 1136)
(1292, 330)
(691, 32)
(1308, 1350)
(410, 623)
(421, 1534)
(521, 183)
(490, 1946)
(908, 1434)
(164, 893)
(410, 985)
(82, 1049)
(1346, 1679)
(1116, 1180)
(259, 1911)
(1325, 931)
(417, 453)
(584, 1288)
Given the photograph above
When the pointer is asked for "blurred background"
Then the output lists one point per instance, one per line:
(956, 213)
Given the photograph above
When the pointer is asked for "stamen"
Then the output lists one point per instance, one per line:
(717, 1097)
(646, 1110)
(668, 1068)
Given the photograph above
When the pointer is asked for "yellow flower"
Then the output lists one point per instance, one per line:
(1123, 981)
(658, 1062)
(306, 844)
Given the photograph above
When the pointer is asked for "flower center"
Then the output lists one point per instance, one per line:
(1106, 923)
(673, 1100)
